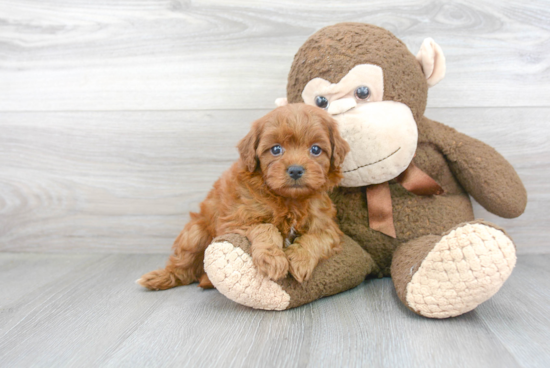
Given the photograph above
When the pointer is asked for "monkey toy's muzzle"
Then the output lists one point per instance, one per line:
(382, 137)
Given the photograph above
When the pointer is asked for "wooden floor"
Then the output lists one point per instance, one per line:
(84, 311)
(117, 116)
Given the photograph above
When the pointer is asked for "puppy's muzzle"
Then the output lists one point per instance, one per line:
(295, 172)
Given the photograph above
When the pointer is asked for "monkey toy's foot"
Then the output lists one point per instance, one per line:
(446, 276)
(230, 268)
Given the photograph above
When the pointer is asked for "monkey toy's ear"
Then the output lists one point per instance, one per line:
(432, 60)
(281, 101)
(248, 145)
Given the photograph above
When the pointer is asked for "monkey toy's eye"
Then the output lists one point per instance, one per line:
(276, 150)
(315, 150)
(321, 101)
(362, 92)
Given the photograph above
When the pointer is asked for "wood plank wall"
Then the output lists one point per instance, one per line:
(116, 117)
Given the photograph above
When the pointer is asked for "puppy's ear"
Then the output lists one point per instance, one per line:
(340, 147)
(248, 145)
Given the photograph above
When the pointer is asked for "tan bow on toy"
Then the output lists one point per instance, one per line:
(379, 197)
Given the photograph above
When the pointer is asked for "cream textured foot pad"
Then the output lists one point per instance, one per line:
(464, 269)
(232, 272)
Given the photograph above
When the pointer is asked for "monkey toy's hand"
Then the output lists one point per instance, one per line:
(481, 170)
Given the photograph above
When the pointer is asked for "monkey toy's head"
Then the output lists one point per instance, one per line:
(375, 88)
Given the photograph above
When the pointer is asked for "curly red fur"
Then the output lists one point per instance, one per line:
(257, 198)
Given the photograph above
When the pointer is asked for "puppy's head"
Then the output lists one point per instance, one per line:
(297, 149)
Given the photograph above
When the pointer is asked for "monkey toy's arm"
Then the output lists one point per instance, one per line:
(480, 169)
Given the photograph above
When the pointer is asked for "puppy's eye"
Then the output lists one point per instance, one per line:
(276, 150)
(315, 150)
(362, 92)
(321, 101)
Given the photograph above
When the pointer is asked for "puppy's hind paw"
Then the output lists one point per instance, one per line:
(271, 263)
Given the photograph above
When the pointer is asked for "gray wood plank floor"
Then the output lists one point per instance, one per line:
(84, 311)
(117, 117)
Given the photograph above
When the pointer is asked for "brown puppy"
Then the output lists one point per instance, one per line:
(275, 195)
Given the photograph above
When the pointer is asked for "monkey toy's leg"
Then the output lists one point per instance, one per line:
(231, 269)
(449, 275)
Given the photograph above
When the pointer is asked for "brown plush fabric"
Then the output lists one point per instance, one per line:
(235, 239)
(497, 187)
(409, 256)
(414, 216)
(407, 260)
(479, 168)
(346, 270)
(332, 51)
(460, 164)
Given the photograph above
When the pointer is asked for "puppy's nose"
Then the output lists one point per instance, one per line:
(295, 172)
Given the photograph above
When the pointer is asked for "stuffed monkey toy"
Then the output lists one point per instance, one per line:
(404, 202)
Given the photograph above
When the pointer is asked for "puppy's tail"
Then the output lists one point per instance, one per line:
(186, 264)
(159, 280)
(183, 268)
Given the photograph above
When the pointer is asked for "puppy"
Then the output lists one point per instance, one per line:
(276, 193)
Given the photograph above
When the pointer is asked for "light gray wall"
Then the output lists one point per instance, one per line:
(116, 117)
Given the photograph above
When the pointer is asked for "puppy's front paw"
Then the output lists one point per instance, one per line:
(301, 262)
(271, 262)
